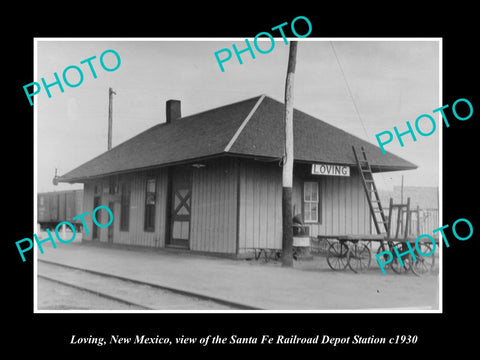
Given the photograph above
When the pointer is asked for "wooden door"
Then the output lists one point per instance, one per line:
(181, 206)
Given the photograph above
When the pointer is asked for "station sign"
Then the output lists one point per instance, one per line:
(330, 170)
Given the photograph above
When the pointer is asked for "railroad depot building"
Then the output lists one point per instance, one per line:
(212, 181)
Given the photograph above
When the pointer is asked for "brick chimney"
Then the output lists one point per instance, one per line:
(173, 110)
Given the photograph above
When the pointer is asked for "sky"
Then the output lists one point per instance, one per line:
(362, 86)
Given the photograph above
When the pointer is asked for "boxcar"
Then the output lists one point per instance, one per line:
(57, 206)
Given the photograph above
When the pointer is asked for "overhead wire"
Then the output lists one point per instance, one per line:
(353, 100)
(349, 89)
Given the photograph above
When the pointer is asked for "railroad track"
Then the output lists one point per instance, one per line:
(138, 294)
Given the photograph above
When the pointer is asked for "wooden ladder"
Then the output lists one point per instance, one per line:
(374, 203)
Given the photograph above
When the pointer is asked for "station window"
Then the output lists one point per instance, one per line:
(113, 185)
(310, 202)
(125, 206)
(150, 197)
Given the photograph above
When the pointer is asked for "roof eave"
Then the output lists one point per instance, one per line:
(83, 179)
(383, 168)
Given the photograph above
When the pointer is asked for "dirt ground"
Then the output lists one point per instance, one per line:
(310, 285)
(61, 297)
(54, 296)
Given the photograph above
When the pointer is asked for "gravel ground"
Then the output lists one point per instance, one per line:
(55, 296)
(144, 295)
(309, 285)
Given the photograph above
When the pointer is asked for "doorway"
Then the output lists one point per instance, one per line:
(180, 207)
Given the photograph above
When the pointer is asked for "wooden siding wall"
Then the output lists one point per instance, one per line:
(229, 191)
(136, 235)
(344, 207)
(214, 207)
(260, 216)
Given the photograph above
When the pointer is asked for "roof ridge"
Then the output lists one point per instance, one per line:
(257, 135)
(153, 127)
(244, 123)
(218, 107)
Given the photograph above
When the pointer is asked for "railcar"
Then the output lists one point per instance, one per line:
(57, 206)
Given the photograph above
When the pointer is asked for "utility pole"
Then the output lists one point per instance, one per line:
(287, 175)
(55, 178)
(401, 192)
(110, 93)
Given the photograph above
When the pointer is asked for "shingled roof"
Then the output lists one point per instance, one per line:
(251, 128)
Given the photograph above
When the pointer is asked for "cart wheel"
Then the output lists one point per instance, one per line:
(337, 256)
(424, 264)
(407, 261)
(359, 258)
(398, 268)
(278, 255)
(381, 249)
